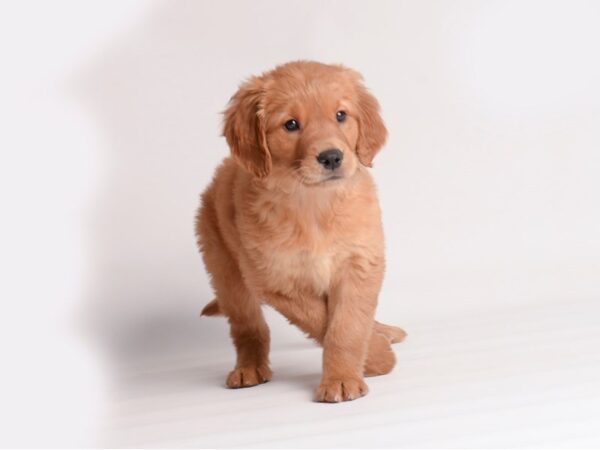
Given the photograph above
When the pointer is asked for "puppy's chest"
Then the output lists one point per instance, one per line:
(300, 257)
(297, 268)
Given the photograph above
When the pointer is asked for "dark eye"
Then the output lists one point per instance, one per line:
(292, 125)
(340, 116)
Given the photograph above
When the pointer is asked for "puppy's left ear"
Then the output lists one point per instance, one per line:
(372, 133)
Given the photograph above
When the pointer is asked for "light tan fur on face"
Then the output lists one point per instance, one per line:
(275, 226)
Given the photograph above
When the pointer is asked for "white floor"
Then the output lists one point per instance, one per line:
(526, 376)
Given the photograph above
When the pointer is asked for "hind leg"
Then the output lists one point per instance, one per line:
(248, 328)
(380, 356)
(394, 334)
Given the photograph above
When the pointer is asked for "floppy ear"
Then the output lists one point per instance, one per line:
(371, 129)
(244, 129)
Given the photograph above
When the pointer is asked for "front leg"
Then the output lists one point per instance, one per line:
(351, 310)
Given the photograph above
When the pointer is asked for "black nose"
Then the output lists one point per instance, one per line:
(331, 159)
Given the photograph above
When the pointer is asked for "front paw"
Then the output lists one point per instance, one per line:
(340, 390)
(248, 376)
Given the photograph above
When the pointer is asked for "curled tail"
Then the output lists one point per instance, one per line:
(212, 309)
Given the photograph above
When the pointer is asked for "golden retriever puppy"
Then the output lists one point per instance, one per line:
(292, 219)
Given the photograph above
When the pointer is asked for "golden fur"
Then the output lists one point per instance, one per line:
(275, 226)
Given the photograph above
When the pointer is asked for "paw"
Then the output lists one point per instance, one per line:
(248, 376)
(394, 334)
(341, 390)
(381, 358)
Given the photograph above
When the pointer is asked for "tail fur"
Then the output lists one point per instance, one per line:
(212, 309)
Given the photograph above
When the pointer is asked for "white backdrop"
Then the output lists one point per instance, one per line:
(110, 125)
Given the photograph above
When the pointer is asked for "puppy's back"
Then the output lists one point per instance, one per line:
(214, 219)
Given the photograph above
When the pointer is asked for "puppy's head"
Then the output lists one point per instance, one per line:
(312, 121)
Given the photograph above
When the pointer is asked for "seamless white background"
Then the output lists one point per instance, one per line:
(110, 129)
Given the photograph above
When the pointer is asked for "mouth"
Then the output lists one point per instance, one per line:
(332, 178)
(313, 179)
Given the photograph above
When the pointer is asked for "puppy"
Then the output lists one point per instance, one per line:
(292, 219)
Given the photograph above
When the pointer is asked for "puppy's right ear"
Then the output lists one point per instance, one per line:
(244, 128)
